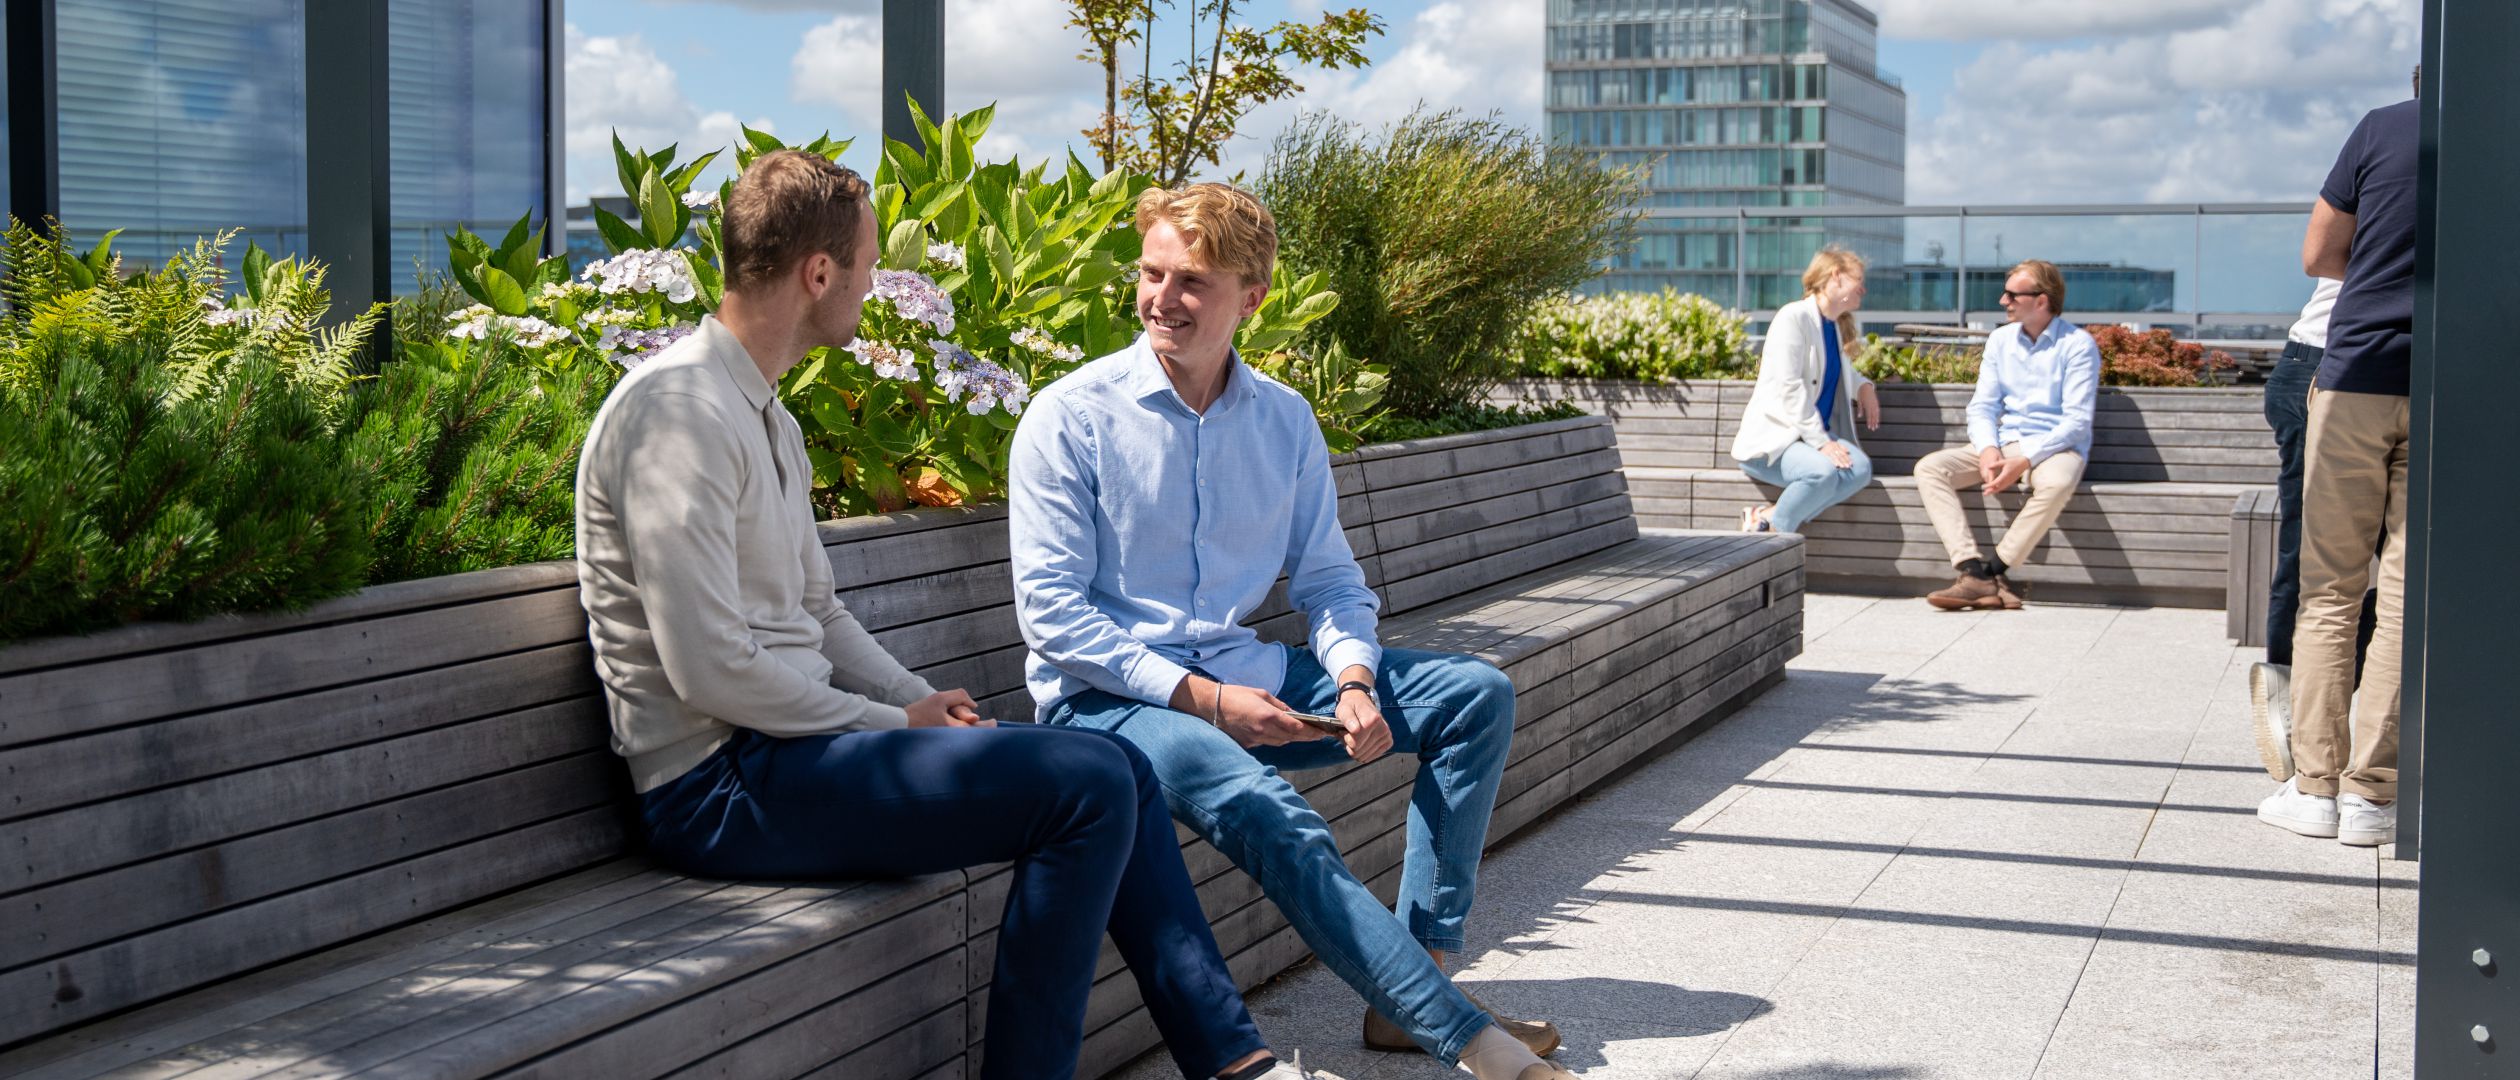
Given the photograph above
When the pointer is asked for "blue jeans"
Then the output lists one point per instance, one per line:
(1456, 714)
(1076, 811)
(1811, 481)
(2288, 412)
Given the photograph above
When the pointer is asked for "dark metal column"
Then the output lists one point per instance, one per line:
(34, 122)
(555, 129)
(2467, 1013)
(349, 205)
(914, 64)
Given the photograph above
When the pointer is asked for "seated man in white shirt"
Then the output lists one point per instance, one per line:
(2031, 417)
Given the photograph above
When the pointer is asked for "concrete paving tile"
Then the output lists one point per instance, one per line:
(1656, 962)
(2099, 1044)
(1598, 1049)
(1788, 809)
(2080, 830)
(1807, 874)
(2396, 1012)
(2147, 982)
(1983, 905)
(2274, 912)
(2123, 783)
(1875, 1009)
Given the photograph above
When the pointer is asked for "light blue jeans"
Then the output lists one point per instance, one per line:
(1811, 481)
(1456, 715)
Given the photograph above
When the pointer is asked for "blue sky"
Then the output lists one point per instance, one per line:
(2009, 101)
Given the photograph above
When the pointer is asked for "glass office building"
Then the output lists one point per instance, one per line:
(176, 119)
(1733, 103)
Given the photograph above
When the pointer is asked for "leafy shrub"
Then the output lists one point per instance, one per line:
(2156, 358)
(1911, 363)
(1661, 335)
(1468, 418)
(1440, 236)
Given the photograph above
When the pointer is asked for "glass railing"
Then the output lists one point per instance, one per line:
(2230, 270)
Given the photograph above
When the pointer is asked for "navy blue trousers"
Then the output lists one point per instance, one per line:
(1078, 812)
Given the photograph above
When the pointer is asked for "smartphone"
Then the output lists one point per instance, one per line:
(1329, 725)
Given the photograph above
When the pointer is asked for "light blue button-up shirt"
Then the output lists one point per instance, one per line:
(1143, 534)
(2040, 393)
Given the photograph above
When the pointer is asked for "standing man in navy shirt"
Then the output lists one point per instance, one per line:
(2345, 739)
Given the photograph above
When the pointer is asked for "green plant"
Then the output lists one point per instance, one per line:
(1440, 235)
(1165, 127)
(1661, 335)
(1468, 418)
(1904, 362)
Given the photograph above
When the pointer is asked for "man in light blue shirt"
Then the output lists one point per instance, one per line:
(1157, 494)
(2037, 388)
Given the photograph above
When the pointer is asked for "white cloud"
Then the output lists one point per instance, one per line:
(2036, 20)
(1019, 54)
(620, 84)
(1477, 56)
(2252, 106)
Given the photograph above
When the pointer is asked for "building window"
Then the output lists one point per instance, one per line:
(467, 103)
(180, 118)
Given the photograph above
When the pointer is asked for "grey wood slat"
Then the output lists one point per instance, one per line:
(89, 984)
(997, 671)
(833, 1029)
(598, 981)
(335, 1007)
(1483, 455)
(1398, 534)
(2089, 538)
(931, 596)
(1369, 456)
(85, 839)
(375, 601)
(905, 1053)
(916, 958)
(1705, 588)
(1406, 564)
(953, 637)
(50, 775)
(1436, 493)
(1823, 546)
(2210, 502)
(177, 1033)
(1475, 621)
(81, 912)
(1595, 718)
(871, 551)
(1486, 570)
(53, 703)
(1937, 572)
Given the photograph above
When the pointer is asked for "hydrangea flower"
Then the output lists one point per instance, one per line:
(889, 362)
(947, 255)
(646, 270)
(915, 297)
(215, 312)
(704, 199)
(1042, 343)
(959, 373)
(555, 291)
(478, 323)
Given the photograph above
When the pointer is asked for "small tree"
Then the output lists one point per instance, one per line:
(1165, 127)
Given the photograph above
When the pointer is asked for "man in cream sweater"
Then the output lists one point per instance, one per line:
(767, 733)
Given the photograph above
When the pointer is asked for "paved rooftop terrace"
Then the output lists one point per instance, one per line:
(2010, 844)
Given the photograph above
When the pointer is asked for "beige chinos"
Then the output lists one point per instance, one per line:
(2353, 487)
(1941, 475)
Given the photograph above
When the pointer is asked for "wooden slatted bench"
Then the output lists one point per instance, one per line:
(2150, 524)
(387, 837)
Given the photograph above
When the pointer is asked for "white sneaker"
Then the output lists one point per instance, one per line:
(1754, 520)
(2270, 711)
(2363, 824)
(2309, 815)
(1292, 1068)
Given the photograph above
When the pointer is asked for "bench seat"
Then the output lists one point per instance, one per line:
(386, 837)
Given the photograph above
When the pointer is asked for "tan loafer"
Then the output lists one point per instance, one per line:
(1539, 1036)
(1968, 593)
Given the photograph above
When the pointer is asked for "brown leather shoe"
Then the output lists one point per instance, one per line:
(1968, 593)
(2008, 592)
(1538, 1036)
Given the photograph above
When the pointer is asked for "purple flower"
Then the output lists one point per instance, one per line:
(913, 296)
(959, 373)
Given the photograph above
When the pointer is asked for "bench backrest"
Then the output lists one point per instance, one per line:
(2201, 435)
(186, 803)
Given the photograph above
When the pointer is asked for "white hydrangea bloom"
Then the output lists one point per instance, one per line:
(663, 271)
(704, 199)
(947, 255)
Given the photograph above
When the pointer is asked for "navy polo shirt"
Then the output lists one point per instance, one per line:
(2371, 332)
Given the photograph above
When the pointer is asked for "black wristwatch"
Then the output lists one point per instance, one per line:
(1354, 684)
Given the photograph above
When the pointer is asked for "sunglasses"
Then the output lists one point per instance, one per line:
(2010, 296)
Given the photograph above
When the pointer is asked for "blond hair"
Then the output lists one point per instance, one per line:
(2051, 281)
(1827, 263)
(1226, 226)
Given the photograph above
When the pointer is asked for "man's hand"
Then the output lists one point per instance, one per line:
(946, 708)
(1868, 407)
(1368, 736)
(1990, 463)
(2013, 469)
(1251, 717)
(1835, 451)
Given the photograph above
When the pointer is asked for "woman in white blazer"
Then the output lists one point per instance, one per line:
(1798, 432)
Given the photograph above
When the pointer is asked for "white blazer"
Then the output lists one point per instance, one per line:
(1785, 407)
